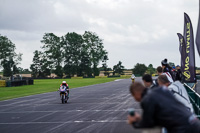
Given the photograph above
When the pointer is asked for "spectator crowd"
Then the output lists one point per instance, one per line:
(164, 102)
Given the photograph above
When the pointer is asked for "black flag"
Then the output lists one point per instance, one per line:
(182, 50)
(189, 62)
(198, 33)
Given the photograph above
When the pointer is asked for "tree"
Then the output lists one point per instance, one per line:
(118, 68)
(95, 48)
(53, 50)
(85, 64)
(40, 67)
(23, 71)
(72, 43)
(8, 58)
(139, 69)
(7, 65)
(150, 69)
(36, 66)
(105, 66)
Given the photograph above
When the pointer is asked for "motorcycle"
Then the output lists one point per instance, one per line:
(63, 94)
(133, 80)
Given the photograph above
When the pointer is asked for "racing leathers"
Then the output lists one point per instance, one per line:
(67, 88)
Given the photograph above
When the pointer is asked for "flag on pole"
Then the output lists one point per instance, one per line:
(182, 50)
(189, 62)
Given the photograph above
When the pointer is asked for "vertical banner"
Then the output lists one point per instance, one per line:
(182, 50)
(189, 62)
(198, 33)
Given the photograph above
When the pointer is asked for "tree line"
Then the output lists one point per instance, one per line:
(71, 54)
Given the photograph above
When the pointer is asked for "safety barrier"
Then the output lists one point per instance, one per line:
(194, 98)
(2, 83)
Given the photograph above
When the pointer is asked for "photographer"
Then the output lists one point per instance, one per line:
(160, 108)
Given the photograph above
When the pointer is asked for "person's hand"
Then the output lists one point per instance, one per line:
(135, 118)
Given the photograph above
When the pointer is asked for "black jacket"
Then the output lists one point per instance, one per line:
(160, 108)
(179, 75)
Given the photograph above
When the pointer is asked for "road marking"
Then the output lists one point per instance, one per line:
(64, 111)
(119, 80)
(91, 121)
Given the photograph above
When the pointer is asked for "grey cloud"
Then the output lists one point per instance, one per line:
(135, 30)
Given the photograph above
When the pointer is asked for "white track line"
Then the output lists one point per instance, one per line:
(63, 111)
(92, 121)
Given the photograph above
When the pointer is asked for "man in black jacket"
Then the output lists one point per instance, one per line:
(178, 73)
(160, 108)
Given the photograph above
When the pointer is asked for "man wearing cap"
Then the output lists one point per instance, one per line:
(167, 69)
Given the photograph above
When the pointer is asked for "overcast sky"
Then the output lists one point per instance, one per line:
(133, 31)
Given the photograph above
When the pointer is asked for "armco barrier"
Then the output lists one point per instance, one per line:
(194, 98)
(2, 83)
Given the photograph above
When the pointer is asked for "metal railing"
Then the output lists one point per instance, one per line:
(194, 97)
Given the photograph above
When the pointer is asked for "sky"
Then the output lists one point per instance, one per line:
(133, 31)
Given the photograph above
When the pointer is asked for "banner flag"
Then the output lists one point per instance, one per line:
(182, 50)
(189, 62)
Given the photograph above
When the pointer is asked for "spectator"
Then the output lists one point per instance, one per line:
(160, 72)
(178, 91)
(160, 108)
(165, 66)
(179, 75)
(148, 81)
(173, 68)
(167, 69)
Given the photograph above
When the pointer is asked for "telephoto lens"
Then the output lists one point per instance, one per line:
(131, 111)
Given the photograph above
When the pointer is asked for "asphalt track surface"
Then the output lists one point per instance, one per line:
(98, 108)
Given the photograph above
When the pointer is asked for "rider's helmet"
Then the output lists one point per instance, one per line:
(64, 83)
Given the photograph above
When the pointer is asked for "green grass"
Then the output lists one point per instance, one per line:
(47, 85)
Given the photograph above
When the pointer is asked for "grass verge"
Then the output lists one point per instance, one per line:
(47, 85)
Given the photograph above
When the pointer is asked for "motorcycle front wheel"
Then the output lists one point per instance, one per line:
(63, 99)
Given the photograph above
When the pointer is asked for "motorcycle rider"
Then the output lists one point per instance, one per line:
(133, 78)
(64, 83)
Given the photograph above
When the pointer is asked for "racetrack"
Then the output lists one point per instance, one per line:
(93, 109)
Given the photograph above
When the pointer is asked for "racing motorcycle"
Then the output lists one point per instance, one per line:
(63, 94)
